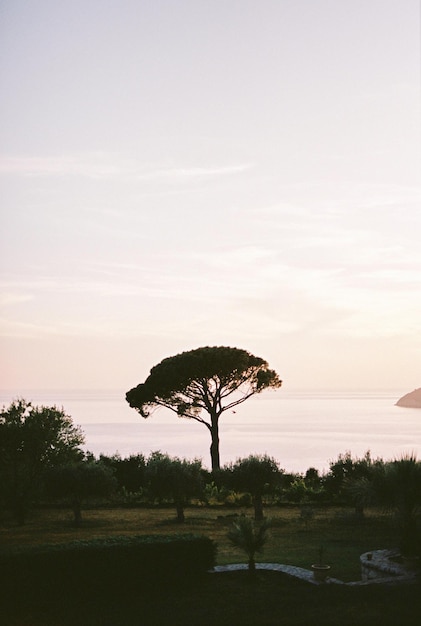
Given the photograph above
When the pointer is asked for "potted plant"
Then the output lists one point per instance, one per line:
(320, 569)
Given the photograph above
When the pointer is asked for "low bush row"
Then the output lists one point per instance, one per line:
(118, 564)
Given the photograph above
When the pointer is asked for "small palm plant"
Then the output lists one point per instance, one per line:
(250, 537)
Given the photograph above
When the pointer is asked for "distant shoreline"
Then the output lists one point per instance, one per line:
(411, 400)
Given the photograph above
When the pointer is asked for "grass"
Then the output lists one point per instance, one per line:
(229, 598)
(290, 541)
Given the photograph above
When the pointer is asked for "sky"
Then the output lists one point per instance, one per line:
(184, 173)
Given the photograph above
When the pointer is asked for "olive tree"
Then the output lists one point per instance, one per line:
(207, 380)
(397, 485)
(257, 474)
(178, 479)
(32, 439)
(77, 481)
(129, 471)
(345, 474)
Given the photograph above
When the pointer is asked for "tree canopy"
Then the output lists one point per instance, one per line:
(79, 480)
(176, 478)
(206, 380)
(257, 474)
(397, 485)
(32, 439)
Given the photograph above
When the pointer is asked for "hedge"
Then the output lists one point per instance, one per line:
(105, 565)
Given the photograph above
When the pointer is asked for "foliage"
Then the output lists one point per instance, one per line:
(248, 536)
(108, 565)
(345, 472)
(78, 481)
(397, 485)
(312, 478)
(297, 490)
(210, 380)
(257, 474)
(32, 439)
(211, 493)
(129, 472)
(167, 477)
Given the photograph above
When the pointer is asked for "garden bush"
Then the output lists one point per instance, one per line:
(111, 565)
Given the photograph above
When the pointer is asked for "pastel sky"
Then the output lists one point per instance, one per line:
(180, 173)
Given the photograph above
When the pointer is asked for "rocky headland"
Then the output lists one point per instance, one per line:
(411, 400)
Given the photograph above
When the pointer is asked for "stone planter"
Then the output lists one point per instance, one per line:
(320, 572)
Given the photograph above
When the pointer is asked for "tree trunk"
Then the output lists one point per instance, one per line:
(214, 449)
(180, 512)
(258, 508)
(77, 512)
(252, 566)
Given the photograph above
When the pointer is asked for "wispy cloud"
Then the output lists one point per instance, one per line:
(16, 328)
(180, 174)
(62, 328)
(96, 165)
(8, 299)
(57, 286)
(99, 165)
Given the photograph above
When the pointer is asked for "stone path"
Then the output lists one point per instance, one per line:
(291, 570)
(377, 568)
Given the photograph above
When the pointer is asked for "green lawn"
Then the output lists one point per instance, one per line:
(290, 541)
(228, 598)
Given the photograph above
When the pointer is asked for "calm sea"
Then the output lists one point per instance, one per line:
(299, 429)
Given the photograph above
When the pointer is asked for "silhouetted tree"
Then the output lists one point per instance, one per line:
(33, 439)
(78, 481)
(343, 474)
(397, 485)
(210, 380)
(312, 478)
(129, 472)
(257, 474)
(178, 479)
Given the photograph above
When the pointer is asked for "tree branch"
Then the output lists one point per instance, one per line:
(239, 401)
(185, 415)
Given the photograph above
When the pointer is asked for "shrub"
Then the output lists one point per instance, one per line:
(105, 565)
(250, 537)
